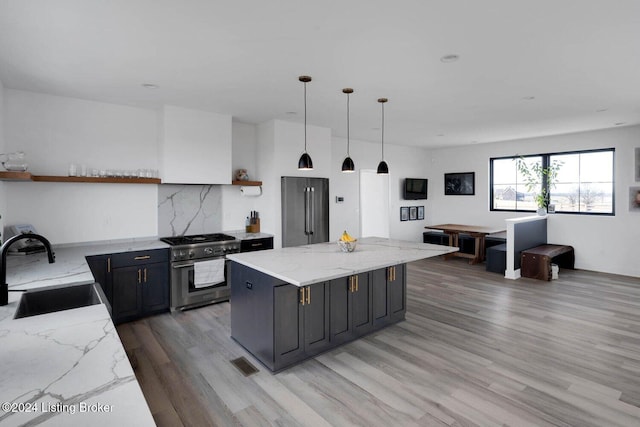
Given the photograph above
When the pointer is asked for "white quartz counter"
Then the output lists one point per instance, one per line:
(304, 265)
(34, 271)
(66, 368)
(243, 235)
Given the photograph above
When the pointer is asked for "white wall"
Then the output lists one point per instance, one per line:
(404, 162)
(54, 131)
(269, 203)
(244, 156)
(602, 243)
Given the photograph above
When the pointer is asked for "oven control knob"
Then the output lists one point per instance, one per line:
(208, 251)
(180, 255)
(191, 254)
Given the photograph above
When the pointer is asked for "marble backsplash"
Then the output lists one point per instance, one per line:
(189, 209)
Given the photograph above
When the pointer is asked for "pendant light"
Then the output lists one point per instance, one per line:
(305, 162)
(383, 168)
(347, 165)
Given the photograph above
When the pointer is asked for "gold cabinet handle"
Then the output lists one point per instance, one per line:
(356, 277)
(109, 265)
(308, 295)
(138, 258)
(145, 275)
(350, 283)
(302, 296)
(393, 273)
(139, 276)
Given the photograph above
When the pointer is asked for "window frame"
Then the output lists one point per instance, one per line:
(545, 163)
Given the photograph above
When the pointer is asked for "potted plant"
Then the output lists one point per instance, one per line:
(539, 180)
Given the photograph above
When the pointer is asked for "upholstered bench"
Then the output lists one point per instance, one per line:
(535, 263)
(497, 258)
(435, 237)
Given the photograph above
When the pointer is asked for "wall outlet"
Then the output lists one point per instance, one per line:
(339, 199)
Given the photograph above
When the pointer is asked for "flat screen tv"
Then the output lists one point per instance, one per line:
(415, 188)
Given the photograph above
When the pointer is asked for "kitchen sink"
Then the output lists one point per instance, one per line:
(49, 300)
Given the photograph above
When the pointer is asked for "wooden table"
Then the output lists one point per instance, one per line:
(475, 231)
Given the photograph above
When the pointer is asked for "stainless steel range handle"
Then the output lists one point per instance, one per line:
(312, 215)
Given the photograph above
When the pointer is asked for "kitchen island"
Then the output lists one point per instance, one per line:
(290, 304)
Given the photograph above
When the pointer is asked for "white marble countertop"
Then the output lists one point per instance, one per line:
(69, 367)
(34, 271)
(243, 235)
(304, 265)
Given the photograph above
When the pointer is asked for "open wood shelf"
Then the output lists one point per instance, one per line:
(109, 180)
(15, 176)
(247, 183)
(26, 176)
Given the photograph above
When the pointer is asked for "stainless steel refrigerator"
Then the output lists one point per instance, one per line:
(305, 210)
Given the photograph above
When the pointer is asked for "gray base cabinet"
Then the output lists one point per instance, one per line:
(389, 295)
(283, 324)
(351, 314)
(301, 320)
(135, 283)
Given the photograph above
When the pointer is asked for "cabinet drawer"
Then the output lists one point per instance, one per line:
(256, 244)
(125, 259)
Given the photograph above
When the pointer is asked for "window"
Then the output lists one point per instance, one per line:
(509, 190)
(584, 183)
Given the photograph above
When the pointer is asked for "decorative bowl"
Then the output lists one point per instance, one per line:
(347, 246)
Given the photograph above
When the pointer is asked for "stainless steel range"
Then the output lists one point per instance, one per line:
(199, 269)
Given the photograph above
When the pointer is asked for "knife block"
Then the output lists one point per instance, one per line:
(254, 227)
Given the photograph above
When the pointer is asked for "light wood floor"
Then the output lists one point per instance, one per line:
(476, 349)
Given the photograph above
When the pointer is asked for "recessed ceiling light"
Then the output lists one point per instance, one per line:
(620, 123)
(602, 110)
(291, 113)
(528, 98)
(440, 134)
(449, 58)
(150, 86)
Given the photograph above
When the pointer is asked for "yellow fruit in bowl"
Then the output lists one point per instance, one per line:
(346, 242)
(346, 237)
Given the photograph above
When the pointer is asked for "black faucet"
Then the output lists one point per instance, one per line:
(4, 287)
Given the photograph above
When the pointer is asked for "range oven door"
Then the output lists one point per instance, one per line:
(185, 295)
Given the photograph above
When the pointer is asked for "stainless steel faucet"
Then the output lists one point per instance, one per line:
(4, 287)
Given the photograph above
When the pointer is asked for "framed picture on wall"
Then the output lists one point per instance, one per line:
(634, 199)
(413, 213)
(459, 184)
(420, 212)
(404, 213)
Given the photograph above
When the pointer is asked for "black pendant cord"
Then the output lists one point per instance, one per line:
(348, 155)
(305, 117)
(382, 131)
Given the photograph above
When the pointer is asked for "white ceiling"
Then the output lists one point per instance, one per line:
(243, 57)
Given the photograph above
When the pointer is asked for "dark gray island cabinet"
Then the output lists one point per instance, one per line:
(282, 324)
(290, 304)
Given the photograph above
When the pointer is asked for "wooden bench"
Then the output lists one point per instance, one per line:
(535, 263)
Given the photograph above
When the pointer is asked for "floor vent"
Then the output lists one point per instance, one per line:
(244, 366)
